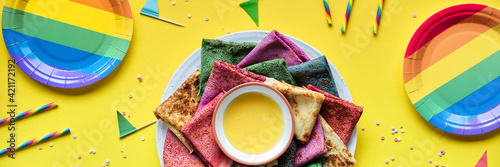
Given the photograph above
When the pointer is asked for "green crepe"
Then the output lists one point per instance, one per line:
(314, 163)
(275, 68)
(252, 10)
(230, 52)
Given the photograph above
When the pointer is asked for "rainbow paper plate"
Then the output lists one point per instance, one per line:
(67, 43)
(452, 67)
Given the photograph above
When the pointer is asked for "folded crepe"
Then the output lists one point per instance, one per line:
(273, 46)
(314, 148)
(340, 114)
(225, 76)
(213, 49)
(314, 163)
(180, 107)
(315, 72)
(287, 159)
(198, 130)
(338, 154)
(305, 105)
(276, 69)
(176, 154)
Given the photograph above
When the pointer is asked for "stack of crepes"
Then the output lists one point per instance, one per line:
(323, 122)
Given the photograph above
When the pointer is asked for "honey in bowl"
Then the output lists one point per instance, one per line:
(253, 123)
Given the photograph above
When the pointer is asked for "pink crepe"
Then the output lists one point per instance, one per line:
(274, 46)
(314, 148)
(225, 76)
(198, 130)
(176, 154)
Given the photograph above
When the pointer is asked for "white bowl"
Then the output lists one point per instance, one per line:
(253, 159)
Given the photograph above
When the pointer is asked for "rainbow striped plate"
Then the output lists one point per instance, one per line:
(452, 69)
(67, 43)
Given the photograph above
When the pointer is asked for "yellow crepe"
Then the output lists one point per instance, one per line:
(305, 105)
(338, 154)
(180, 107)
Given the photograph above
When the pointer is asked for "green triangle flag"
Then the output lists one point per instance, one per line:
(252, 10)
(125, 127)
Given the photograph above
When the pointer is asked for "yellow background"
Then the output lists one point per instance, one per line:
(371, 67)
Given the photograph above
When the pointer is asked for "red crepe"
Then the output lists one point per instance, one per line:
(198, 130)
(176, 154)
(274, 46)
(340, 114)
(483, 161)
(225, 76)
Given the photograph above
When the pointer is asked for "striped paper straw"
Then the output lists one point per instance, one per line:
(377, 19)
(37, 140)
(29, 112)
(347, 14)
(327, 11)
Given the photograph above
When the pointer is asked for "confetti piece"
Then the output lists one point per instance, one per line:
(402, 131)
(129, 95)
(383, 138)
(411, 147)
(129, 116)
(139, 77)
(90, 151)
(395, 131)
(363, 128)
(437, 164)
(393, 128)
(401, 127)
(142, 138)
(124, 155)
(189, 15)
(39, 147)
(186, 0)
(395, 139)
(392, 158)
(51, 144)
(121, 150)
(441, 151)
(228, 31)
(173, 3)
(124, 113)
(206, 18)
(386, 161)
(399, 138)
(378, 123)
(79, 157)
(107, 160)
(392, 132)
(430, 161)
(74, 136)
(440, 154)
(102, 165)
(414, 15)
(107, 163)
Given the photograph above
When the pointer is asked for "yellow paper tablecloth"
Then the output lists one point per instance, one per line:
(371, 67)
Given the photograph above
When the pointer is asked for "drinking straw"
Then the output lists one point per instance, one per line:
(327, 11)
(37, 140)
(377, 18)
(29, 113)
(347, 14)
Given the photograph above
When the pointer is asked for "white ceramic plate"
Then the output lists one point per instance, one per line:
(193, 62)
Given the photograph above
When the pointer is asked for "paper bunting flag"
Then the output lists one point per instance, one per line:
(483, 162)
(252, 10)
(151, 9)
(126, 127)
